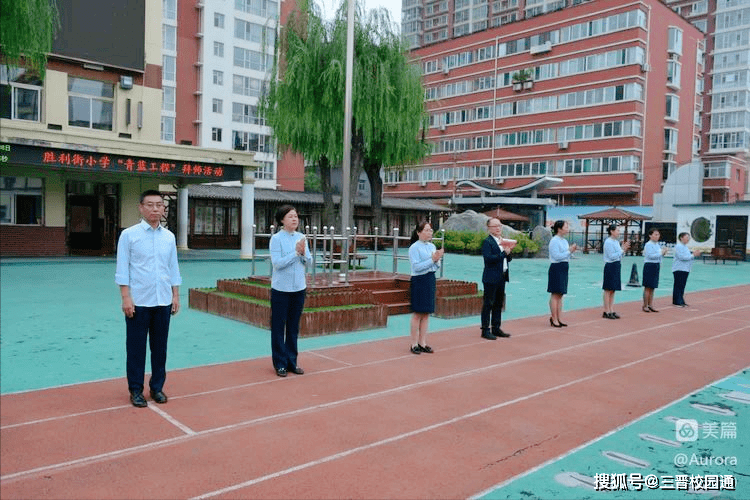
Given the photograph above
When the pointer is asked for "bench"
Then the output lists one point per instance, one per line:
(724, 254)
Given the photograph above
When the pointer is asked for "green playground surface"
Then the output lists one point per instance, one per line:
(696, 447)
(61, 321)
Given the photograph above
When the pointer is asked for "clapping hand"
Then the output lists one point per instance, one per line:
(438, 254)
(301, 246)
(625, 245)
(573, 248)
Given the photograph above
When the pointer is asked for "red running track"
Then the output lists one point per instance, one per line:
(372, 420)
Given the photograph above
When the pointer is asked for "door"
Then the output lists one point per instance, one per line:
(731, 232)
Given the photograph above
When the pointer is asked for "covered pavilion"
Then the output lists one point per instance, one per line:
(609, 216)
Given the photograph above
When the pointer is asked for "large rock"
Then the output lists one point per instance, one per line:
(542, 235)
(472, 221)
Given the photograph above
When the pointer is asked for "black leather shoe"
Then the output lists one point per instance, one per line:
(297, 370)
(425, 348)
(487, 335)
(615, 315)
(281, 372)
(137, 399)
(415, 349)
(159, 397)
(499, 333)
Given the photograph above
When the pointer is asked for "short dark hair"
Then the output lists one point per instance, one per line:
(612, 228)
(652, 230)
(420, 227)
(682, 234)
(559, 224)
(493, 218)
(282, 211)
(151, 192)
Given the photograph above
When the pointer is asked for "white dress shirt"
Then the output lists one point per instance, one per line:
(147, 263)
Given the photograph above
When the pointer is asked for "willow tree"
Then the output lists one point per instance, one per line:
(305, 101)
(27, 30)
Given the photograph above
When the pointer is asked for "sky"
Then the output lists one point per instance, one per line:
(394, 6)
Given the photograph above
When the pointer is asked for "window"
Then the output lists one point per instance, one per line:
(262, 8)
(673, 74)
(217, 105)
(168, 99)
(675, 41)
(252, 32)
(19, 94)
(251, 59)
(216, 134)
(214, 217)
(246, 113)
(248, 141)
(21, 200)
(673, 107)
(264, 170)
(244, 85)
(168, 37)
(218, 49)
(717, 170)
(167, 128)
(169, 9)
(90, 103)
(169, 68)
(670, 140)
(218, 20)
(218, 77)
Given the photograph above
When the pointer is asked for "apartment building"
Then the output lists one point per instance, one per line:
(592, 104)
(217, 56)
(78, 146)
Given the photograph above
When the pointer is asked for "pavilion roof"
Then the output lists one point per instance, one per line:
(614, 213)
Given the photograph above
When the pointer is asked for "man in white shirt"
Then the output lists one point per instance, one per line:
(149, 280)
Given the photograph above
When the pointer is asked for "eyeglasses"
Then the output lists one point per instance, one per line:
(494, 225)
(152, 205)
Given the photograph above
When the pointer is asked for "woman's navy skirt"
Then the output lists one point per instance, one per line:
(557, 278)
(651, 274)
(612, 276)
(423, 293)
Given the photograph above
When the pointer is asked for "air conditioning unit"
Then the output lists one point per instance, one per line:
(639, 176)
(645, 68)
(563, 144)
(442, 127)
(499, 181)
(541, 48)
(443, 182)
(446, 70)
(423, 183)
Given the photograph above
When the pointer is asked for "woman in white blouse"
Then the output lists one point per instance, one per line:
(613, 252)
(557, 276)
(652, 254)
(425, 260)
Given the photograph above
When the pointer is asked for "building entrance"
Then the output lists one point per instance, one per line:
(92, 217)
(731, 232)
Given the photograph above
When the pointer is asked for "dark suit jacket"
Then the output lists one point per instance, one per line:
(494, 256)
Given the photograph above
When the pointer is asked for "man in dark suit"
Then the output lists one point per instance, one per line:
(496, 253)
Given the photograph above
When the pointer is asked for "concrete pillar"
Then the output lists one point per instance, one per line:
(182, 218)
(248, 213)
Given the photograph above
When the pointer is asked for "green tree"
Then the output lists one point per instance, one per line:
(304, 103)
(27, 30)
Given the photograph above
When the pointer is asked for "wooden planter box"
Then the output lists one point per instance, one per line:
(458, 306)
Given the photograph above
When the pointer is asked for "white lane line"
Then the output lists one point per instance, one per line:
(408, 387)
(444, 423)
(544, 330)
(588, 443)
(314, 353)
(60, 417)
(169, 418)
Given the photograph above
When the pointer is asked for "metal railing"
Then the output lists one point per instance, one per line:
(330, 250)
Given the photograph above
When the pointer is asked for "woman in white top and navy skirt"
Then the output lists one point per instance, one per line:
(652, 254)
(425, 260)
(289, 257)
(613, 252)
(557, 276)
